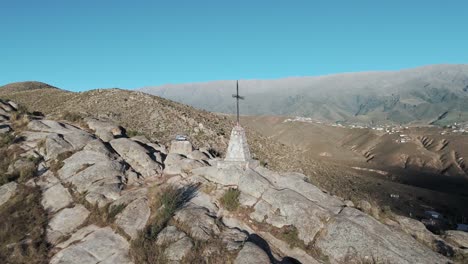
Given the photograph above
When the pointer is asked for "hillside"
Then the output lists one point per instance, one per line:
(83, 190)
(161, 119)
(436, 93)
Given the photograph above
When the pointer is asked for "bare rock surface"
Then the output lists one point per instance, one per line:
(65, 222)
(7, 191)
(95, 173)
(134, 217)
(181, 147)
(61, 137)
(178, 250)
(169, 234)
(78, 236)
(252, 254)
(55, 198)
(100, 246)
(105, 130)
(355, 235)
(197, 219)
(459, 239)
(137, 156)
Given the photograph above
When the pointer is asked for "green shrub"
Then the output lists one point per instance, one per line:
(230, 199)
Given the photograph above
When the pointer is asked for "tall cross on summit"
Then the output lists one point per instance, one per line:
(238, 153)
(238, 97)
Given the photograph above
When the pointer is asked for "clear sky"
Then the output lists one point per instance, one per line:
(83, 44)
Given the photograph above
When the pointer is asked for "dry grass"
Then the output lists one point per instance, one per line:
(57, 164)
(230, 199)
(22, 228)
(169, 200)
(290, 235)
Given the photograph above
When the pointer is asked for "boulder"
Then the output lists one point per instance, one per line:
(60, 137)
(285, 207)
(101, 246)
(96, 174)
(55, 198)
(7, 191)
(176, 164)
(233, 238)
(356, 236)
(105, 130)
(227, 176)
(252, 254)
(201, 224)
(78, 236)
(137, 156)
(297, 182)
(417, 230)
(13, 104)
(134, 217)
(65, 222)
(181, 147)
(197, 155)
(168, 235)
(458, 239)
(178, 250)
(6, 107)
(364, 206)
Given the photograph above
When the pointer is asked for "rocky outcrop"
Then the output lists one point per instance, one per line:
(134, 217)
(95, 172)
(65, 222)
(59, 137)
(105, 130)
(100, 245)
(141, 159)
(101, 194)
(181, 147)
(252, 254)
(342, 234)
(354, 235)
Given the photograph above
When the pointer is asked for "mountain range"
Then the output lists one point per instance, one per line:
(434, 94)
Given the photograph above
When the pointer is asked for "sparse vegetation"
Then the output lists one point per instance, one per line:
(230, 199)
(290, 235)
(22, 228)
(72, 117)
(133, 133)
(6, 140)
(169, 200)
(57, 164)
(114, 210)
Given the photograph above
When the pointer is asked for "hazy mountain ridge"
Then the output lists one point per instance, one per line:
(420, 95)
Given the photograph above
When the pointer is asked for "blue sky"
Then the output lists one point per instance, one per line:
(81, 45)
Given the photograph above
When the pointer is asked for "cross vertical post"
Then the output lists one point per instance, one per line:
(237, 98)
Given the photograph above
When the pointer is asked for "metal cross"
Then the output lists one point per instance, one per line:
(237, 99)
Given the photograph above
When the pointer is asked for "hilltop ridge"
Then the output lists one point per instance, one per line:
(98, 194)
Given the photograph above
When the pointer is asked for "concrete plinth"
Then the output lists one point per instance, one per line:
(238, 153)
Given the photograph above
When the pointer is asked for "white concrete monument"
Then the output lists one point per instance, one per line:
(238, 152)
(238, 149)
